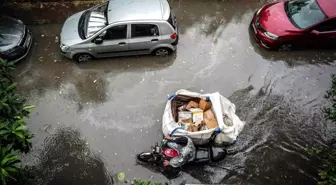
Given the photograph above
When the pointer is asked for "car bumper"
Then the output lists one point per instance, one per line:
(177, 36)
(27, 47)
(66, 54)
(259, 36)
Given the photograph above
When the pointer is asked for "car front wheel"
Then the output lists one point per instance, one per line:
(286, 47)
(83, 57)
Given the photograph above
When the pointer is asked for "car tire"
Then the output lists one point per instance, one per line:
(162, 52)
(285, 47)
(83, 57)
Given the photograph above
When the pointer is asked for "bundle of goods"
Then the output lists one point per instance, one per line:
(199, 115)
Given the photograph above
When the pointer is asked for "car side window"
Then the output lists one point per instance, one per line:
(116, 32)
(144, 30)
(327, 26)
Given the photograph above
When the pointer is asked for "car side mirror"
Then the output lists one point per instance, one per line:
(315, 32)
(98, 40)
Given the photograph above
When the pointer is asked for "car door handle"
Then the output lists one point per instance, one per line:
(122, 43)
(153, 40)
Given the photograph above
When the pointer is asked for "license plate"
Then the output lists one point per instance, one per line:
(254, 28)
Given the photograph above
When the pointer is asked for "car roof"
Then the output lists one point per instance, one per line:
(137, 10)
(328, 7)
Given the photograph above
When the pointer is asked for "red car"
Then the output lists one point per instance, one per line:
(296, 23)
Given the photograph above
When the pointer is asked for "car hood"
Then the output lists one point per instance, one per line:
(11, 32)
(275, 20)
(69, 33)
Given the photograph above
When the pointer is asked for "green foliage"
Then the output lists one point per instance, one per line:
(14, 136)
(331, 96)
(145, 182)
(328, 154)
(8, 161)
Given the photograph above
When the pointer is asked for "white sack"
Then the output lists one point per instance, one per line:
(220, 106)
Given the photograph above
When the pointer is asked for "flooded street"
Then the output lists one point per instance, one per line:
(91, 119)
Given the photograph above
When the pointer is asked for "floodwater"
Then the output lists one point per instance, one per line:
(91, 119)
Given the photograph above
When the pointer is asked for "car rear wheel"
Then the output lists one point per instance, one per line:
(83, 57)
(286, 47)
(162, 52)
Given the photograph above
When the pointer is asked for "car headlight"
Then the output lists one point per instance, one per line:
(271, 35)
(64, 47)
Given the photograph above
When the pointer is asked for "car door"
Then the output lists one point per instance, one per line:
(112, 42)
(324, 34)
(144, 36)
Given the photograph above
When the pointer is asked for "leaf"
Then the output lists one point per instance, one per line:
(4, 172)
(19, 134)
(11, 169)
(22, 127)
(3, 162)
(121, 176)
(28, 107)
(11, 87)
(3, 132)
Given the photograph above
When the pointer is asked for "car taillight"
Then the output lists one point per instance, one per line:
(173, 36)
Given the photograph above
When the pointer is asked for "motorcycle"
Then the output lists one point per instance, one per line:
(204, 154)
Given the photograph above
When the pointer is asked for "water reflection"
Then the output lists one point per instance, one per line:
(46, 70)
(213, 16)
(66, 159)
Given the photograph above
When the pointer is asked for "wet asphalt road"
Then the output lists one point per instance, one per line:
(91, 119)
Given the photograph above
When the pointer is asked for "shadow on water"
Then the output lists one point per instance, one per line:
(66, 159)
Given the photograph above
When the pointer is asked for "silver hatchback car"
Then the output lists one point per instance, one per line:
(120, 28)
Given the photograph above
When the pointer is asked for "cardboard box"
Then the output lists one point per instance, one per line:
(190, 120)
(210, 119)
(195, 127)
(192, 104)
(197, 114)
(205, 105)
(184, 115)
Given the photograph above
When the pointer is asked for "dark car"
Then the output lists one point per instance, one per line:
(15, 39)
(296, 23)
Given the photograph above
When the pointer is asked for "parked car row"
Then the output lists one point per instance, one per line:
(128, 27)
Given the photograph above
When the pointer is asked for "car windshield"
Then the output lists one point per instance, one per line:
(8, 41)
(304, 13)
(96, 19)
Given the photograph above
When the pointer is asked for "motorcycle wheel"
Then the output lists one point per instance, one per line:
(145, 157)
